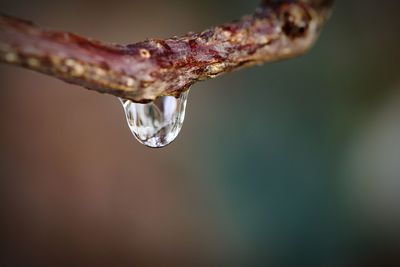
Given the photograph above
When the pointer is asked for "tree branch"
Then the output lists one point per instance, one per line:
(141, 72)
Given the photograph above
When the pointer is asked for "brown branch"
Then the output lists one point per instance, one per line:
(278, 29)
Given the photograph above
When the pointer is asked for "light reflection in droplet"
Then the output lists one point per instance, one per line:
(158, 123)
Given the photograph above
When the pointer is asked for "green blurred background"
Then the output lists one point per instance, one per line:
(307, 173)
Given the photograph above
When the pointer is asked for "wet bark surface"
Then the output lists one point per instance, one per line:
(141, 72)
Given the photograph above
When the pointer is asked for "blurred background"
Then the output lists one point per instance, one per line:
(306, 174)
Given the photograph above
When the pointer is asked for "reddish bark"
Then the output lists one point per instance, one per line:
(141, 72)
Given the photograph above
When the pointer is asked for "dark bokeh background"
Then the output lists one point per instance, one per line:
(306, 173)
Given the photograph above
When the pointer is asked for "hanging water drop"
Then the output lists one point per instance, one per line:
(158, 123)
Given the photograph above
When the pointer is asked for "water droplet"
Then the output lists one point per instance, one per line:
(158, 123)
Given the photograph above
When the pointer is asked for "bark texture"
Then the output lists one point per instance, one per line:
(278, 29)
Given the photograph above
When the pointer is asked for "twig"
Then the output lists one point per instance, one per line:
(141, 72)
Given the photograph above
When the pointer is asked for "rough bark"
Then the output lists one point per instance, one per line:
(142, 71)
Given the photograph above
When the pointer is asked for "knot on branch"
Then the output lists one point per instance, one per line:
(296, 20)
